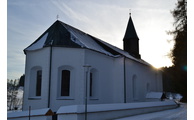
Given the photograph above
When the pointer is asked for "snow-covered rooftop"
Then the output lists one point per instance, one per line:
(62, 35)
(156, 95)
(111, 107)
(39, 112)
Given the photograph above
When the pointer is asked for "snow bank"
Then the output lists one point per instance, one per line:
(174, 114)
(156, 95)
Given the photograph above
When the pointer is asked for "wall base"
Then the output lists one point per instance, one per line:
(112, 111)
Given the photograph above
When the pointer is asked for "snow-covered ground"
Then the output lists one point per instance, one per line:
(179, 113)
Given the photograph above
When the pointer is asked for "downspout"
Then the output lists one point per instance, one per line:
(86, 88)
(50, 67)
(124, 73)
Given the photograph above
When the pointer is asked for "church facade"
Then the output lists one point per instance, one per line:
(66, 66)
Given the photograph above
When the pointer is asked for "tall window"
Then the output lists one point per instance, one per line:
(93, 84)
(38, 82)
(35, 83)
(65, 83)
(91, 80)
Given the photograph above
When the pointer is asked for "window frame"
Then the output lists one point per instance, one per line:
(94, 84)
(38, 83)
(65, 79)
(71, 81)
(33, 83)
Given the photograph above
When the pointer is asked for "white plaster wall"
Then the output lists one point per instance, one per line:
(110, 76)
(112, 111)
(132, 68)
(70, 117)
(105, 65)
(36, 58)
(75, 59)
(145, 74)
(118, 80)
(159, 81)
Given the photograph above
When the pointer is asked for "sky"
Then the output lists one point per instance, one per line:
(104, 19)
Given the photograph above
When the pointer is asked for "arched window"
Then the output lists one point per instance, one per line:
(93, 84)
(38, 82)
(65, 82)
(35, 82)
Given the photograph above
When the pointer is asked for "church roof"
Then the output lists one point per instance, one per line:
(130, 31)
(62, 35)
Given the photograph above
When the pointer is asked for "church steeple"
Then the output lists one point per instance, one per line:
(131, 40)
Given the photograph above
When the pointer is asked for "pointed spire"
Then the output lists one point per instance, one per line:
(131, 40)
(130, 30)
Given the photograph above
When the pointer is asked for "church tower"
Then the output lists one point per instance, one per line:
(131, 40)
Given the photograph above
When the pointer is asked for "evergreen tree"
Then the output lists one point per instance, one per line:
(14, 93)
(12, 86)
(179, 52)
(22, 80)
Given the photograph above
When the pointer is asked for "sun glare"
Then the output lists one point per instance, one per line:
(164, 62)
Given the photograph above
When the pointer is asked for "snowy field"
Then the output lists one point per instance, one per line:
(179, 113)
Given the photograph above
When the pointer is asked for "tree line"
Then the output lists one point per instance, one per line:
(175, 77)
(15, 93)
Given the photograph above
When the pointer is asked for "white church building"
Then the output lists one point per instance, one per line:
(55, 75)
(67, 67)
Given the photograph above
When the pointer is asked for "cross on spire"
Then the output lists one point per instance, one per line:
(57, 17)
(129, 12)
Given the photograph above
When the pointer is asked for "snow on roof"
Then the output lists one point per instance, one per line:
(62, 35)
(124, 53)
(39, 44)
(38, 112)
(109, 107)
(85, 40)
(157, 95)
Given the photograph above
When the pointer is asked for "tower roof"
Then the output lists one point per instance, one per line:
(130, 31)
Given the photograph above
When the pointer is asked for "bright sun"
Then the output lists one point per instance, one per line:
(161, 62)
